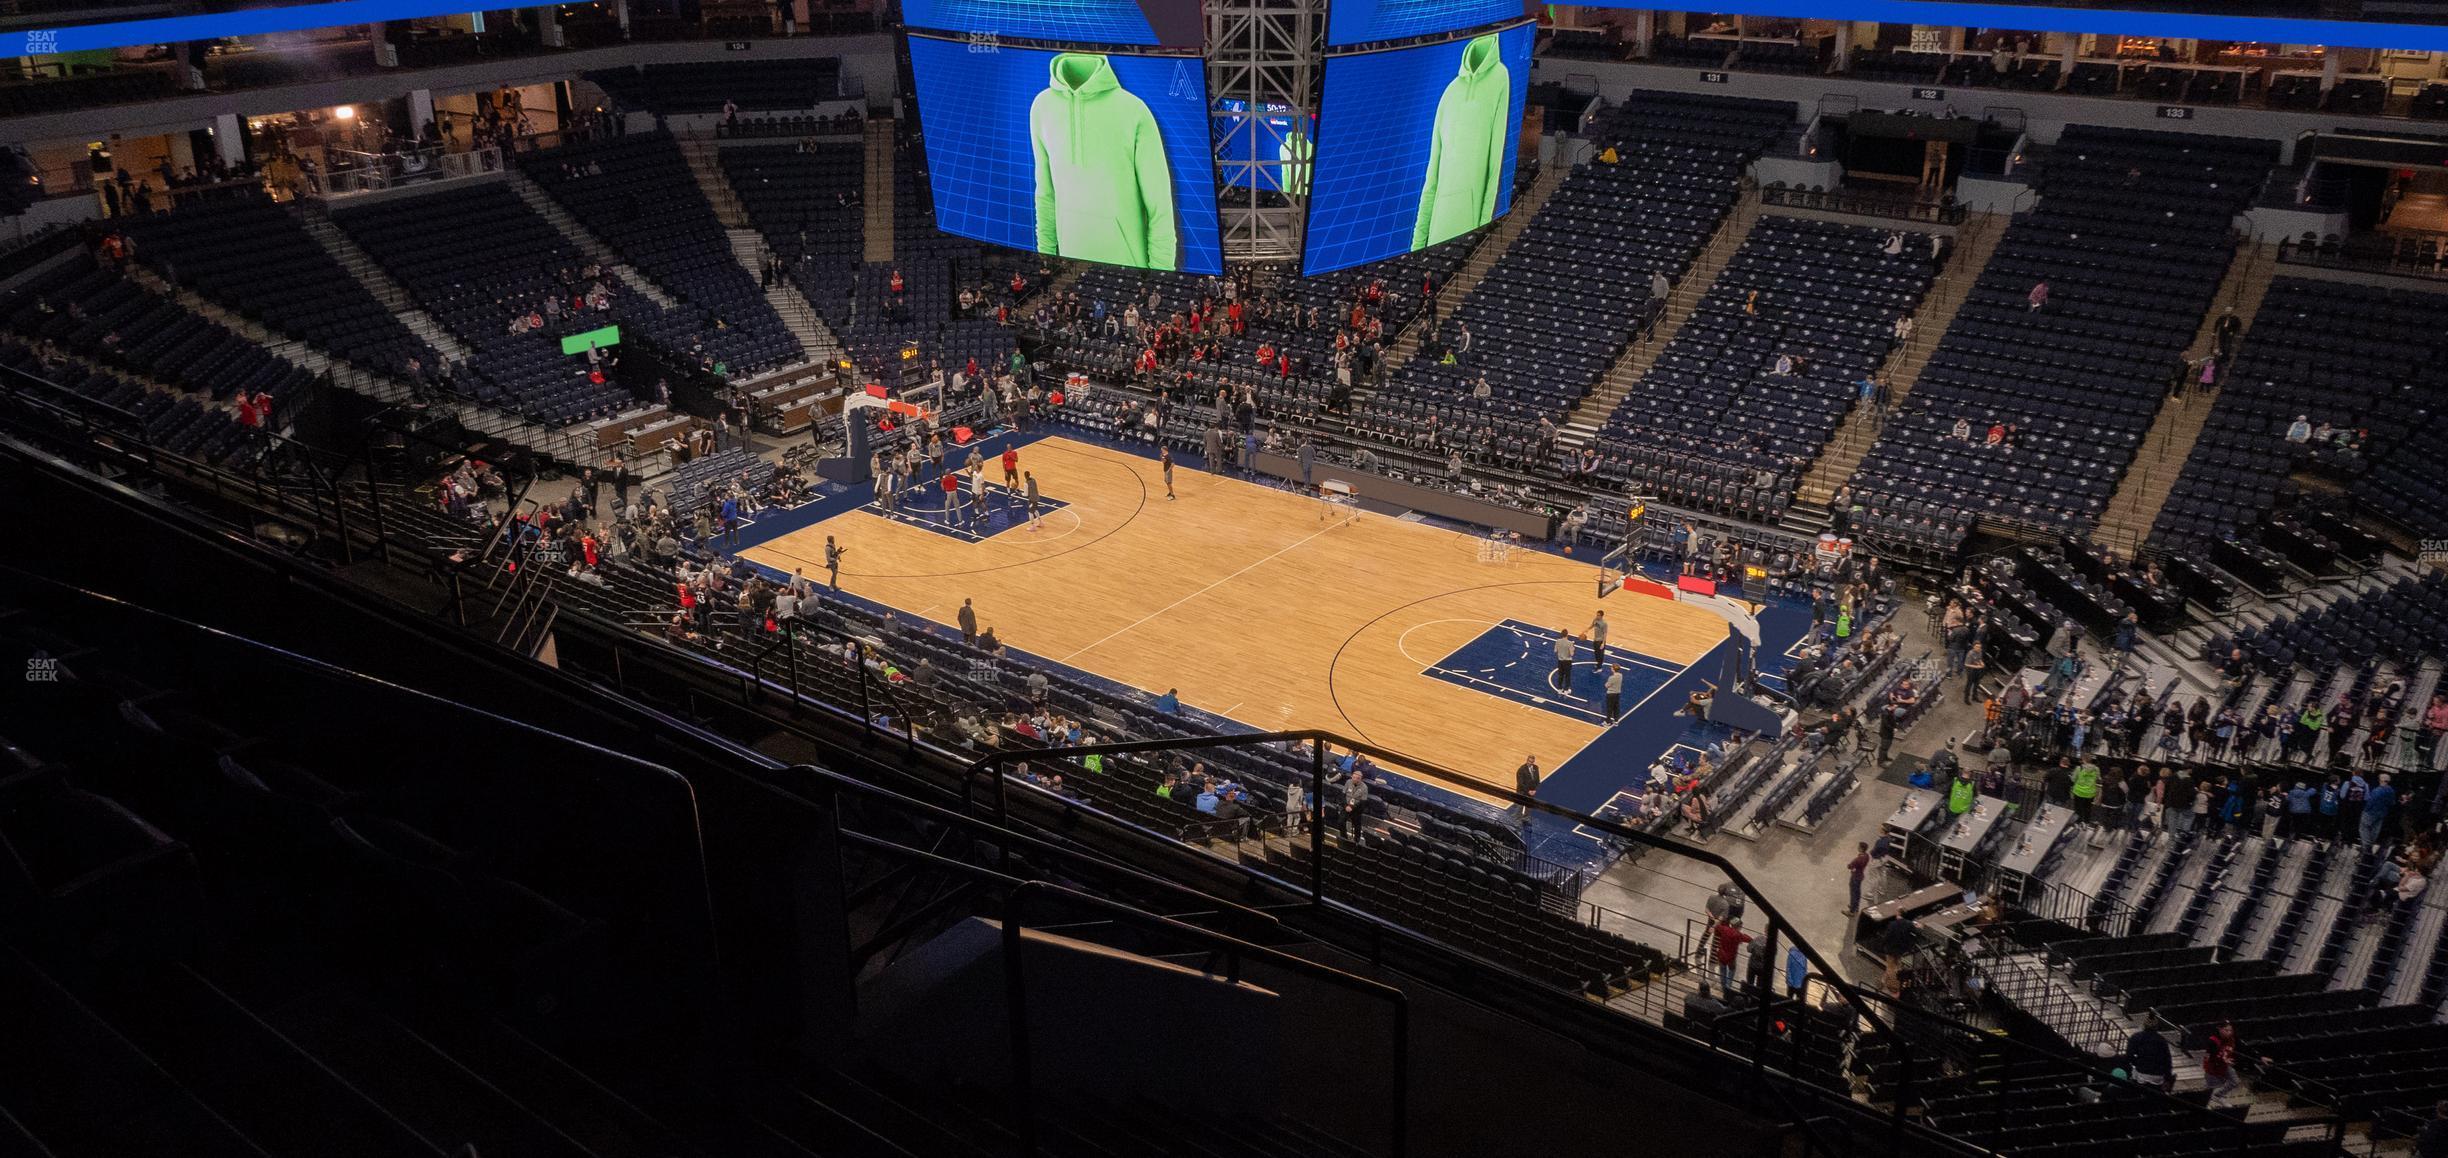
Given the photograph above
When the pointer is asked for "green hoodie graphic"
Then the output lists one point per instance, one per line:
(1466, 151)
(1103, 190)
(1299, 156)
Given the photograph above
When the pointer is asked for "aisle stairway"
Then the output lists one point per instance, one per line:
(2161, 457)
(381, 387)
(587, 243)
(394, 296)
(1974, 242)
(1491, 247)
(748, 248)
(704, 156)
(371, 275)
(879, 192)
(1582, 424)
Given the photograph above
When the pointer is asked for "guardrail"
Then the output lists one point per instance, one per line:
(2424, 256)
(1916, 209)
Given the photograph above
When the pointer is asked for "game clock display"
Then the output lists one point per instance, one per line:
(1097, 156)
(1415, 146)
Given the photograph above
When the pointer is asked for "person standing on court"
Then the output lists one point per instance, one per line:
(968, 623)
(1164, 458)
(1011, 466)
(1598, 638)
(833, 554)
(1564, 661)
(1214, 447)
(1614, 693)
(977, 496)
(1030, 481)
(1526, 784)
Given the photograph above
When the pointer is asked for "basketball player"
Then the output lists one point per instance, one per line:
(1011, 466)
(1033, 501)
(1598, 637)
(977, 495)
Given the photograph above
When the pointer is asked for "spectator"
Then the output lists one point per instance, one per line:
(2432, 1142)
(1855, 870)
(2148, 1056)
(2084, 790)
(2219, 1063)
(1229, 809)
(1526, 785)
(2376, 805)
(1726, 945)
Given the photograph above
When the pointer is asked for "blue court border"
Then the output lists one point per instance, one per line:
(920, 505)
(1534, 662)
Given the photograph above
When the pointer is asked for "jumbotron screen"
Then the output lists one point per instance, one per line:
(1350, 22)
(1096, 156)
(1415, 146)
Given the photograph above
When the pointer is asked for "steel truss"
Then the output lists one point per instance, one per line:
(1266, 55)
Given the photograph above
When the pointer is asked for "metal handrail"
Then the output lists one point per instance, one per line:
(1015, 987)
(991, 766)
(1916, 209)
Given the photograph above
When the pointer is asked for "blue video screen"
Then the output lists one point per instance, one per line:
(1155, 23)
(1415, 146)
(1095, 156)
(1273, 149)
(1369, 21)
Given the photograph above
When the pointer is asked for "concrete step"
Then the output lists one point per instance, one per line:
(1621, 378)
(815, 338)
(1974, 243)
(879, 194)
(1491, 248)
(2160, 459)
(705, 163)
(587, 243)
(370, 274)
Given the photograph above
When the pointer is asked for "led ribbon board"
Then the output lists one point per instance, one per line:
(2108, 22)
(249, 22)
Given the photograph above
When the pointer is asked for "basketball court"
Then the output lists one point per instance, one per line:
(1269, 607)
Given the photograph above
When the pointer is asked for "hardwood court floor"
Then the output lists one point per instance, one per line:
(1244, 599)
